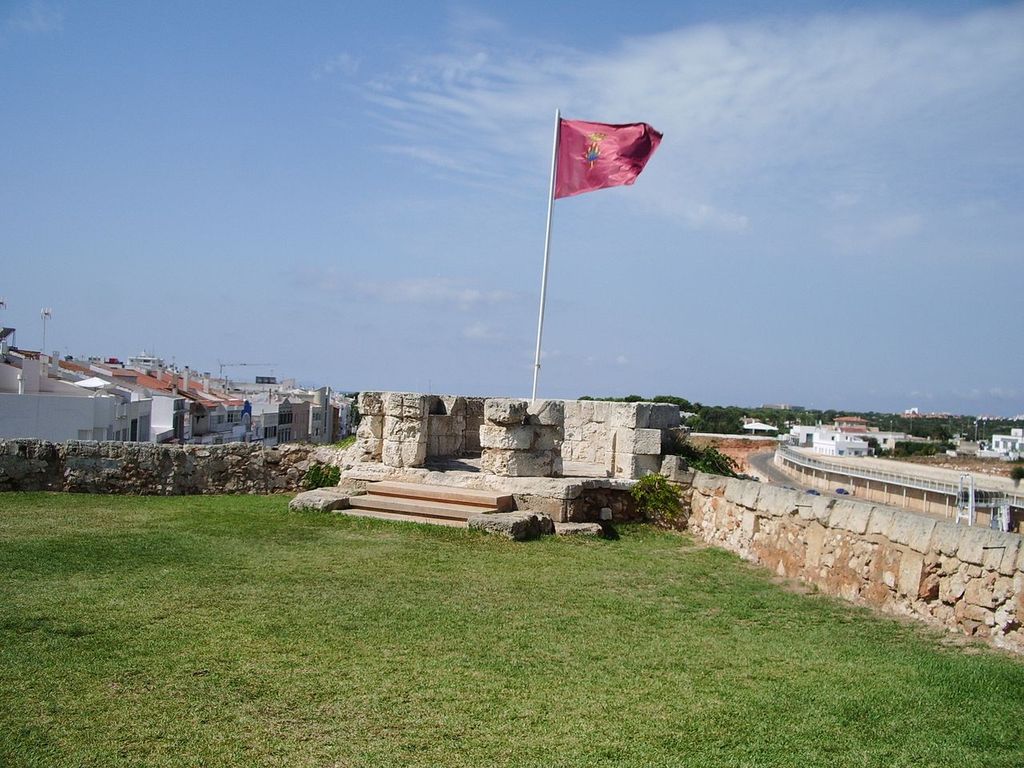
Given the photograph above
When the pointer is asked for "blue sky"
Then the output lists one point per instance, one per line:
(357, 192)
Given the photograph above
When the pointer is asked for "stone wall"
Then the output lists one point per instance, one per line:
(406, 429)
(966, 579)
(453, 425)
(626, 438)
(150, 469)
(522, 439)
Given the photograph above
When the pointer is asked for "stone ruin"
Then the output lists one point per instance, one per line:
(516, 438)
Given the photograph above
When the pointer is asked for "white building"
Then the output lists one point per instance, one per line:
(35, 403)
(1011, 446)
(832, 443)
(828, 441)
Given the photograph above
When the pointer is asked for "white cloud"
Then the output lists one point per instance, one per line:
(341, 64)
(897, 227)
(34, 18)
(432, 290)
(800, 100)
(480, 332)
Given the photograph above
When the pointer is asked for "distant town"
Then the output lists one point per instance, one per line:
(143, 399)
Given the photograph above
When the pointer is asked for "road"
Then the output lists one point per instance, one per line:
(762, 464)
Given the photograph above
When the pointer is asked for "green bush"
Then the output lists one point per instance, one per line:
(657, 499)
(321, 475)
(905, 448)
(1017, 474)
(709, 460)
(345, 442)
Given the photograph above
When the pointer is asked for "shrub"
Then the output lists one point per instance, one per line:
(1017, 474)
(345, 442)
(321, 475)
(709, 460)
(657, 499)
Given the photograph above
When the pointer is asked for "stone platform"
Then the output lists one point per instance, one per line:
(563, 499)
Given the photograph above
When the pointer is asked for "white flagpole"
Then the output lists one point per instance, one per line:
(547, 248)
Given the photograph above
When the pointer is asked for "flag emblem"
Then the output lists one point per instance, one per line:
(594, 148)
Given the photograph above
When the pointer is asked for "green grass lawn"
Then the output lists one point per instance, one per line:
(227, 631)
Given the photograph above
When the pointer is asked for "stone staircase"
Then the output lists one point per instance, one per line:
(420, 503)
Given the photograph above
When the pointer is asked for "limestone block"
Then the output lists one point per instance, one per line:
(946, 538)
(635, 466)
(850, 516)
(399, 429)
(914, 531)
(664, 416)
(734, 490)
(578, 529)
(406, 453)
(750, 494)
(369, 448)
(573, 433)
(632, 415)
(573, 411)
(393, 404)
(815, 508)
(709, 485)
(370, 426)
(415, 406)
(983, 546)
(371, 403)
(978, 592)
(322, 500)
(929, 589)
(645, 441)
(750, 524)
(547, 438)
(594, 433)
(1008, 562)
(518, 526)
(952, 589)
(600, 411)
(910, 573)
(508, 438)
(814, 536)
(546, 412)
(503, 410)
(676, 470)
(521, 463)
(778, 502)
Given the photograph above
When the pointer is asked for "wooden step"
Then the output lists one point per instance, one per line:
(454, 523)
(464, 496)
(423, 507)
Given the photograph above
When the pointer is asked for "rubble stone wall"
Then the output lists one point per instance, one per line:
(966, 579)
(150, 469)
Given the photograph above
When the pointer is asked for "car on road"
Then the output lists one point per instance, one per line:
(842, 492)
(812, 492)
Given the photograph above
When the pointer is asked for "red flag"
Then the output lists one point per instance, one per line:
(597, 155)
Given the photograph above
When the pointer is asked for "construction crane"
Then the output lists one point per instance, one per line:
(242, 365)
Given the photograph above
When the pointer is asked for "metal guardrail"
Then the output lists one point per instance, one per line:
(985, 495)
